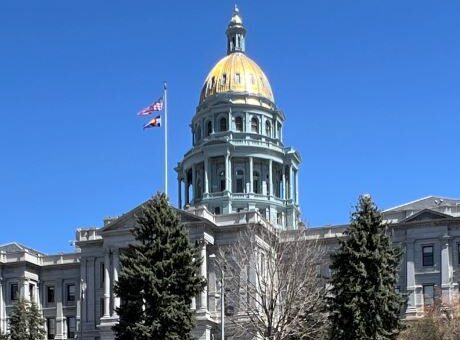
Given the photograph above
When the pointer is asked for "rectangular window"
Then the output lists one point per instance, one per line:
(31, 292)
(428, 259)
(70, 292)
(458, 253)
(239, 185)
(50, 294)
(14, 292)
(102, 306)
(428, 295)
(237, 78)
(51, 328)
(71, 327)
(102, 275)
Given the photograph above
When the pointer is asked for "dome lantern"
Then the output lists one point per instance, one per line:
(236, 33)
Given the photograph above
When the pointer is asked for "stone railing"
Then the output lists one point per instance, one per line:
(87, 234)
(39, 259)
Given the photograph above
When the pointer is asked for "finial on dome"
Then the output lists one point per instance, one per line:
(236, 33)
(236, 17)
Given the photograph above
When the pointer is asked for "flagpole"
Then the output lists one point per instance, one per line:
(165, 88)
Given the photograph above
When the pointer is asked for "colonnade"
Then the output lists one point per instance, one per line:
(199, 178)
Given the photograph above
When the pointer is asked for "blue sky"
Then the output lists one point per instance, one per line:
(370, 90)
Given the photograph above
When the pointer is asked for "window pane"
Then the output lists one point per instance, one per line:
(428, 294)
(239, 123)
(50, 294)
(71, 293)
(14, 292)
(428, 259)
(223, 124)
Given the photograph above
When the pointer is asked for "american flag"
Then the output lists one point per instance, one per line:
(155, 122)
(155, 106)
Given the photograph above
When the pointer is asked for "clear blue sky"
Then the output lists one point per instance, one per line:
(370, 89)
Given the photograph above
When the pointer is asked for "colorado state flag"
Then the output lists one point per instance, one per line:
(155, 122)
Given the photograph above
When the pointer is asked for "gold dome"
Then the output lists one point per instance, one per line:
(236, 73)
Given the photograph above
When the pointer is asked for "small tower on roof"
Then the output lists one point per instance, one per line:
(236, 33)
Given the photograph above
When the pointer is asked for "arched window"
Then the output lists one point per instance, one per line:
(254, 125)
(208, 128)
(239, 180)
(268, 128)
(255, 182)
(223, 124)
(239, 123)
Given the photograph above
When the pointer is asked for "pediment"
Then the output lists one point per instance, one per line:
(426, 215)
(128, 221)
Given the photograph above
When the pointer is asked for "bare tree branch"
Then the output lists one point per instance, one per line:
(274, 285)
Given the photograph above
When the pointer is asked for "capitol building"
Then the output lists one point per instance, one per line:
(238, 173)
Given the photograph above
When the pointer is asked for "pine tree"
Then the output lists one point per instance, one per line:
(19, 321)
(159, 276)
(35, 322)
(364, 303)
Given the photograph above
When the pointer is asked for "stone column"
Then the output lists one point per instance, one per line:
(284, 183)
(251, 175)
(410, 277)
(291, 182)
(90, 292)
(2, 306)
(206, 175)
(107, 284)
(83, 285)
(194, 182)
(37, 294)
(446, 272)
(270, 177)
(297, 186)
(116, 265)
(228, 181)
(60, 319)
(25, 288)
(204, 272)
(179, 192)
(187, 196)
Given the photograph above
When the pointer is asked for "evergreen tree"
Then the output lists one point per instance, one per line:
(364, 303)
(35, 322)
(19, 321)
(159, 276)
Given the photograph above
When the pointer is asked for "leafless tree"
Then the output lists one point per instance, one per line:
(274, 287)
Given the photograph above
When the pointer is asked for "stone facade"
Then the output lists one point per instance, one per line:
(238, 173)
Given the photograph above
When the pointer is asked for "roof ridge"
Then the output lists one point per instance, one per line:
(410, 202)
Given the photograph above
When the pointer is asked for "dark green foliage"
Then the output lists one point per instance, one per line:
(19, 321)
(26, 322)
(36, 322)
(4, 337)
(364, 302)
(158, 278)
